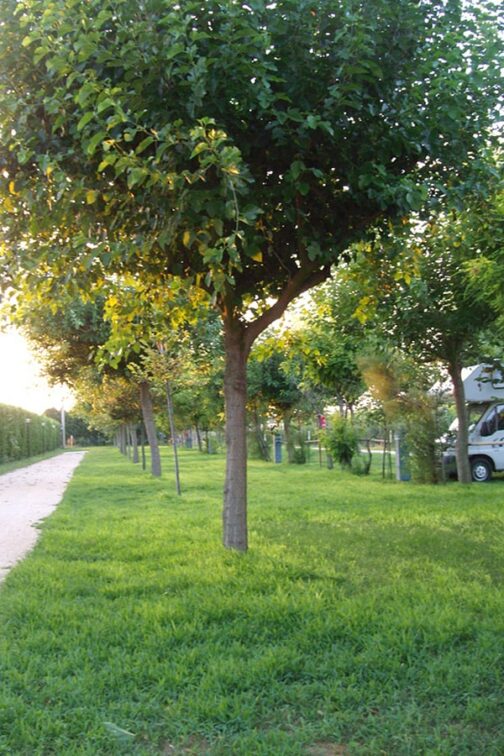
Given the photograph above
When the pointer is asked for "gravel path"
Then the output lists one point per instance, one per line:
(28, 495)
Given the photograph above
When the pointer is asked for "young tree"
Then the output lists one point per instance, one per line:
(69, 337)
(274, 383)
(427, 306)
(331, 337)
(245, 146)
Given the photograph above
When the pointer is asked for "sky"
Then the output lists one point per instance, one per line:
(21, 381)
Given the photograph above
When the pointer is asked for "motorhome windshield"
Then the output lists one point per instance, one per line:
(475, 412)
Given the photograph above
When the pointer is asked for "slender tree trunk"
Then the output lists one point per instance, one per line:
(461, 447)
(142, 444)
(198, 438)
(259, 433)
(384, 458)
(122, 440)
(234, 514)
(171, 419)
(150, 428)
(289, 442)
(134, 442)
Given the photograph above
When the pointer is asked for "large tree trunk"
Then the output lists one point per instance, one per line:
(461, 447)
(150, 428)
(234, 514)
(238, 340)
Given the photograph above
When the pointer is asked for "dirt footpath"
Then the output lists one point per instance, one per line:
(27, 496)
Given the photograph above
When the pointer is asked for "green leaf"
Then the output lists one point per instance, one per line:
(175, 50)
(109, 159)
(94, 142)
(104, 104)
(129, 135)
(84, 93)
(200, 148)
(144, 144)
(136, 176)
(297, 168)
(86, 118)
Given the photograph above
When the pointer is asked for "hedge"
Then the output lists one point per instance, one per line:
(23, 434)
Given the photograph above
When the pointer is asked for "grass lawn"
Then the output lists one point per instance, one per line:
(367, 618)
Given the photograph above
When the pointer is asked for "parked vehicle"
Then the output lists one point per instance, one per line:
(484, 392)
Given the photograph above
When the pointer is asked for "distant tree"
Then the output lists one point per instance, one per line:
(79, 428)
(423, 301)
(273, 384)
(331, 337)
(69, 337)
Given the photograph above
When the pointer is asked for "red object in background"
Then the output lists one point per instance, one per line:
(321, 421)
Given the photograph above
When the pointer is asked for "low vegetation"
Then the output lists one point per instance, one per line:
(367, 617)
(24, 434)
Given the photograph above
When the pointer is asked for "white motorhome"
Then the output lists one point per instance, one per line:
(484, 394)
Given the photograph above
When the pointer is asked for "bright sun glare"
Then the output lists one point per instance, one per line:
(21, 381)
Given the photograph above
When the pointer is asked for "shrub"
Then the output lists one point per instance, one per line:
(24, 434)
(342, 441)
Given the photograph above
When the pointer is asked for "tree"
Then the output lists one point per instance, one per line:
(331, 337)
(427, 306)
(79, 428)
(274, 383)
(486, 270)
(244, 146)
(70, 336)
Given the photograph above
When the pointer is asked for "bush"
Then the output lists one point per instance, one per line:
(23, 434)
(342, 441)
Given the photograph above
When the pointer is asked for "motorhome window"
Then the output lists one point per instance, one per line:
(494, 422)
(489, 426)
(500, 415)
(476, 412)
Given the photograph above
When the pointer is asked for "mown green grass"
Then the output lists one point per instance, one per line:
(367, 618)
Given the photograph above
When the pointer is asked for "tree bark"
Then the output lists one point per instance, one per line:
(171, 419)
(142, 444)
(234, 516)
(461, 446)
(259, 434)
(198, 438)
(134, 442)
(122, 439)
(150, 428)
(289, 441)
(238, 339)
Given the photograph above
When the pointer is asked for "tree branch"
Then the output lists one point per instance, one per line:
(303, 280)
